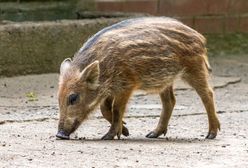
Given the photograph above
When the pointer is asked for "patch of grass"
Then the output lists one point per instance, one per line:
(227, 44)
(32, 96)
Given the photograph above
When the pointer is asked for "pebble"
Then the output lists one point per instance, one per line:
(81, 138)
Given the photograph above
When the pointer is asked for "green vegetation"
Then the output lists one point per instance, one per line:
(227, 44)
(36, 11)
(31, 96)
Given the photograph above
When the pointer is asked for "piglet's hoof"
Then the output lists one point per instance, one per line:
(211, 135)
(108, 136)
(152, 134)
(62, 135)
(125, 131)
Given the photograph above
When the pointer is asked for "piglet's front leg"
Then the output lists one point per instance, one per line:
(118, 109)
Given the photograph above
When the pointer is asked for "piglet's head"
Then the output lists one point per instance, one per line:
(77, 95)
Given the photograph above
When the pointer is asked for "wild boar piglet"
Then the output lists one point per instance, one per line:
(136, 54)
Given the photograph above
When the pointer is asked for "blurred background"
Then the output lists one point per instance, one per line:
(36, 35)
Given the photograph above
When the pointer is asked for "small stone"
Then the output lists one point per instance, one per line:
(52, 137)
(81, 138)
(80, 151)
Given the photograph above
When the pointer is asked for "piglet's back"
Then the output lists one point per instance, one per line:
(140, 38)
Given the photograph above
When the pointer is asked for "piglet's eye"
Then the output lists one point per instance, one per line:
(73, 98)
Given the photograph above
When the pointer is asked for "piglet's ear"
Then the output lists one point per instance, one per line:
(65, 65)
(90, 75)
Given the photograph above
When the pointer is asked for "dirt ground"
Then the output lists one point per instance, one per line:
(29, 118)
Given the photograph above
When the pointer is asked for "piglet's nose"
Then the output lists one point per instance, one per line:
(62, 135)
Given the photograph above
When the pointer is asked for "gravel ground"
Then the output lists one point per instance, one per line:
(29, 118)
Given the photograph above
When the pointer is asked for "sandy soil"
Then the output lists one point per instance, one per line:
(29, 112)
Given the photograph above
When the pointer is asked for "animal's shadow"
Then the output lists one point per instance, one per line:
(144, 140)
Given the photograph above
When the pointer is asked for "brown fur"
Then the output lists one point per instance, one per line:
(146, 54)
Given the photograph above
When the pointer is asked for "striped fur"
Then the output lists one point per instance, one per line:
(143, 53)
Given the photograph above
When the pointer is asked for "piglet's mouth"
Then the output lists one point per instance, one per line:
(63, 135)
